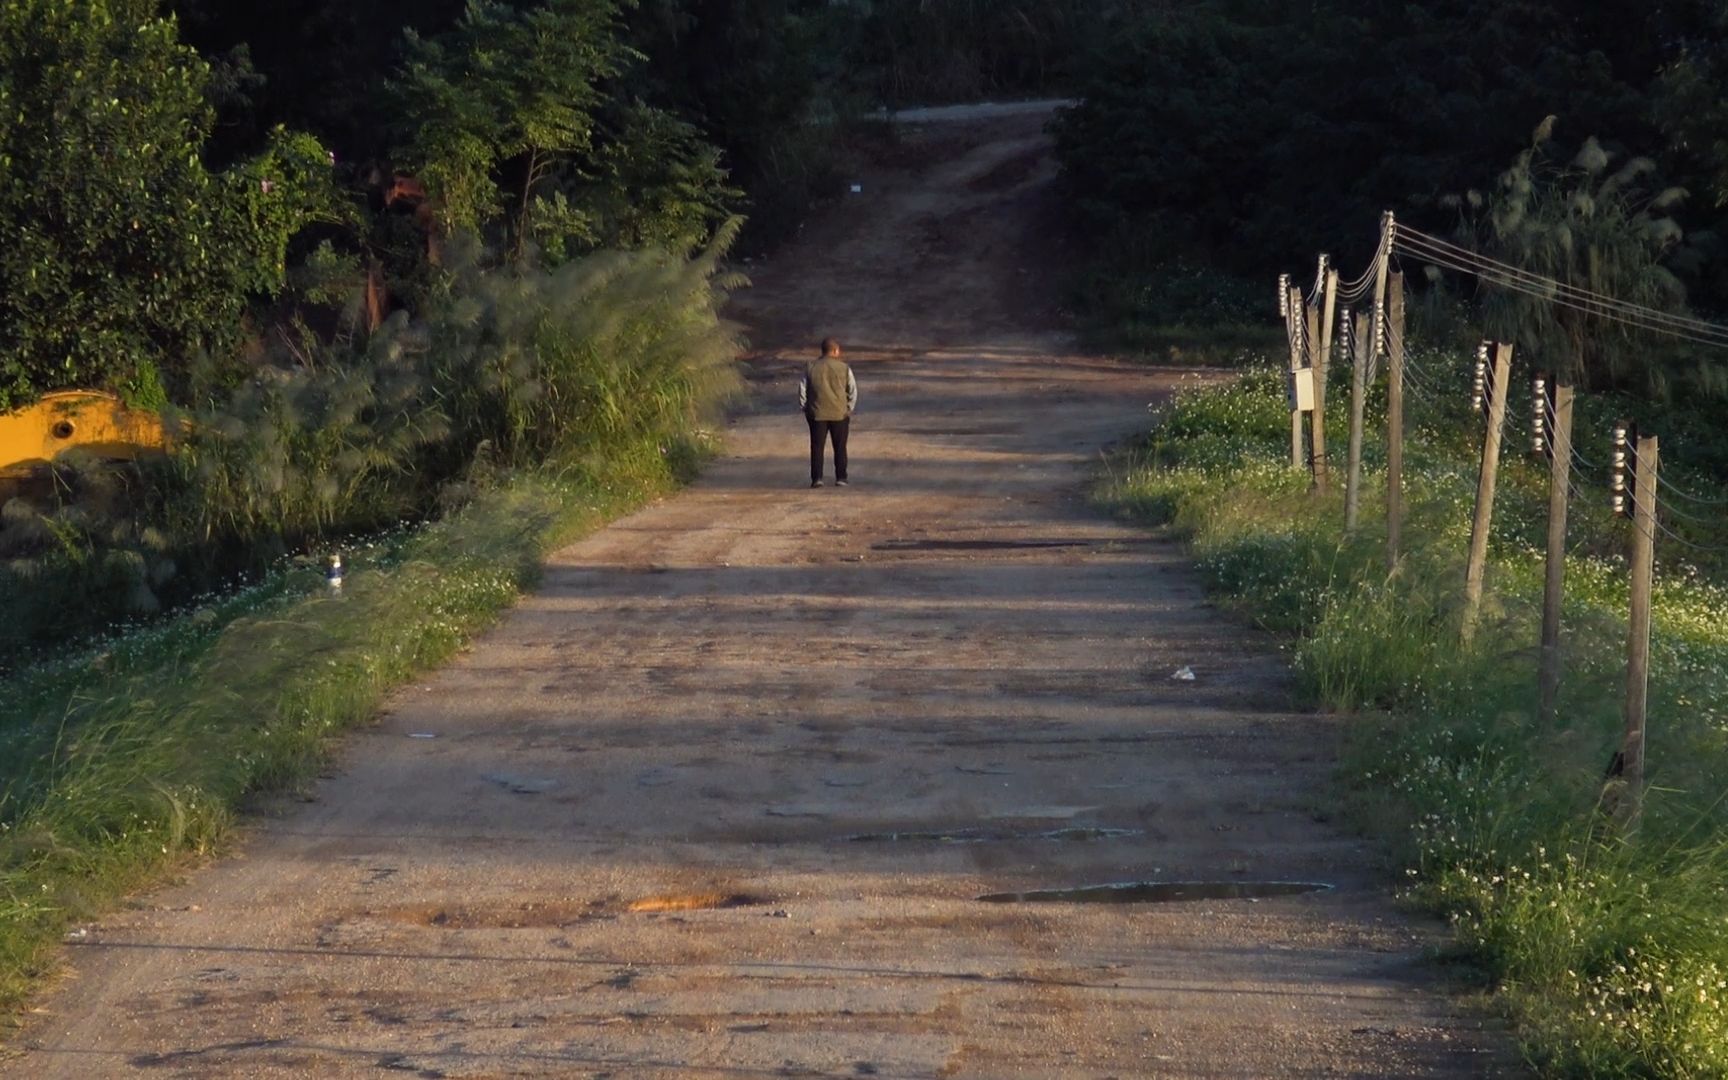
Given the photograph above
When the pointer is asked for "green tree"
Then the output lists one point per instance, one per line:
(769, 81)
(314, 65)
(495, 106)
(121, 253)
(1692, 106)
(1264, 132)
(652, 182)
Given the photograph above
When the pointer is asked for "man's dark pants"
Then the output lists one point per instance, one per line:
(820, 432)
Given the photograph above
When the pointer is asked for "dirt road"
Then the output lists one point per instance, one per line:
(719, 800)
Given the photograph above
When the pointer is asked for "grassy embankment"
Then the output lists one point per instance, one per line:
(1611, 951)
(119, 768)
(540, 404)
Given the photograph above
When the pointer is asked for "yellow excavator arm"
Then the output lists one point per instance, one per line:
(99, 423)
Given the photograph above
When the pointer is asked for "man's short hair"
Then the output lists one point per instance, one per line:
(830, 346)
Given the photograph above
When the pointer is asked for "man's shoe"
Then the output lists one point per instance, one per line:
(839, 483)
(815, 483)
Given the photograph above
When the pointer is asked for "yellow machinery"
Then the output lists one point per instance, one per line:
(32, 437)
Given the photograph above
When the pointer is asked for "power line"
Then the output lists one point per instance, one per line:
(1553, 423)
(1712, 549)
(1670, 510)
(1588, 296)
(1425, 393)
(1359, 288)
(1632, 320)
(1417, 376)
(1674, 489)
(1578, 292)
(1420, 380)
(1638, 318)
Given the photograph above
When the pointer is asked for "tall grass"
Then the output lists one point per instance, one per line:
(503, 367)
(569, 398)
(1611, 949)
(109, 778)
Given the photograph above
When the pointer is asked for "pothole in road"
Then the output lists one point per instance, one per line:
(1159, 892)
(1077, 834)
(975, 545)
(550, 915)
(693, 902)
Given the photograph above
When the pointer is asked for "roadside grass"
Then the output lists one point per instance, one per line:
(1610, 950)
(121, 765)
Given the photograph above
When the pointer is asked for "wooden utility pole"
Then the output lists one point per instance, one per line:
(1485, 480)
(1383, 258)
(1295, 315)
(1362, 339)
(1630, 804)
(1321, 344)
(1394, 313)
(1559, 446)
(1316, 431)
(1383, 266)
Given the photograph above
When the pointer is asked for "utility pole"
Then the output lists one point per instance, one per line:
(1362, 343)
(1294, 315)
(1495, 393)
(1322, 346)
(1383, 257)
(1394, 346)
(1553, 399)
(1629, 804)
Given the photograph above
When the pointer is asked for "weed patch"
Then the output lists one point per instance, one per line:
(116, 767)
(1610, 950)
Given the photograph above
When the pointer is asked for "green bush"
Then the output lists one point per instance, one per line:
(603, 358)
(121, 253)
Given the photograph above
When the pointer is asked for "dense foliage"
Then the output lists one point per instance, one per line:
(333, 362)
(919, 53)
(121, 252)
(1248, 137)
(1250, 129)
(616, 353)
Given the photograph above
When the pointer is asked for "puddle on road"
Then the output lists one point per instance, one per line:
(975, 545)
(990, 836)
(1158, 892)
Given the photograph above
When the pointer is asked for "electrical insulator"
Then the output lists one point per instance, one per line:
(1346, 333)
(1617, 485)
(1479, 384)
(1539, 418)
(1380, 328)
(1283, 296)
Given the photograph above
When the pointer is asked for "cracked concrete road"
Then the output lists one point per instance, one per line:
(719, 798)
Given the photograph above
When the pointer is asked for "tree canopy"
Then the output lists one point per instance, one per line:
(121, 251)
(1254, 131)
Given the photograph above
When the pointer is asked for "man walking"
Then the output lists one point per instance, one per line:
(828, 394)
